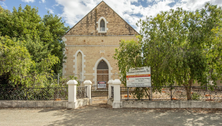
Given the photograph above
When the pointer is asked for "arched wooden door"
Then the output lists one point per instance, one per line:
(102, 75)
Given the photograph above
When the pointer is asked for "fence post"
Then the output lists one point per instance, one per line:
(110, 82)
(26, 93)
(171, 92)
(72, 94)
(151, 93)
(88, 83)
(58, 79)
(127, 93)
(116, 100)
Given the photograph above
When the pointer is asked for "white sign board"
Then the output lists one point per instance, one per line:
(101, 84)
(138, 77)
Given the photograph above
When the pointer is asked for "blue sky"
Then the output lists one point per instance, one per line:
(72, 11)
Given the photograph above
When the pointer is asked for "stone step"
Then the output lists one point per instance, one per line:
(98, 100)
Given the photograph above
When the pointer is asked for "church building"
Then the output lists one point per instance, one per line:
(90, 45)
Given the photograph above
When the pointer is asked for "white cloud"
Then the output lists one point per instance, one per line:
(73, 11)
(50, 10)
(3, 5)
(28, 1)
(43, 1)
(55, 5)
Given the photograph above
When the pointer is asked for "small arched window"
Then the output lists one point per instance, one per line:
(102, 25)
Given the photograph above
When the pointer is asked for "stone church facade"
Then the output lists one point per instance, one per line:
(90, 45)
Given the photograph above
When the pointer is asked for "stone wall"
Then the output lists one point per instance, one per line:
(88, 25)
(168, 104)
(40, 104)
(94, 48)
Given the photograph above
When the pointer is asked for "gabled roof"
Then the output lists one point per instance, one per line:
(84, 26)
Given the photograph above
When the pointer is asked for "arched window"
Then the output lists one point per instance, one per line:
(102, 25)
(79, 65)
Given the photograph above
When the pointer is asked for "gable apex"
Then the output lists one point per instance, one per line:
(114, 24)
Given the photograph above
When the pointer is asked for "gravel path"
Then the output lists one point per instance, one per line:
(104, 115)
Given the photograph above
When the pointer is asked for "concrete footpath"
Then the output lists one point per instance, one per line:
(103, 114)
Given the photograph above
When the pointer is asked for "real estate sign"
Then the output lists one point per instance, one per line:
(138, 77)
(101, 84)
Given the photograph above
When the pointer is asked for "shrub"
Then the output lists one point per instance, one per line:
(195, 96)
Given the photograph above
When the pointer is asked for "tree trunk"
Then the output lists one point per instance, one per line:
(188, 89)
(188, 93)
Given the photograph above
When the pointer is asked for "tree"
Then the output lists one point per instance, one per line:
(42, 39)
(18, 68)
(57, 30)
(182, 47)
(129, 56)
(26, 24)
(15, 61)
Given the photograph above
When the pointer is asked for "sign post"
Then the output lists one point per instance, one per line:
(139, 77)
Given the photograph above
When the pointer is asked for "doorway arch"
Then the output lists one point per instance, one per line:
(102, 72)
(95, 69)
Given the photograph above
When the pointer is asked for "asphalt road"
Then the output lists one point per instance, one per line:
(104, 115)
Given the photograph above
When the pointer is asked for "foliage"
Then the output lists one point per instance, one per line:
(63, 81)
(182, 47)
(140, 92)
(46, 93)
(21, 69)
(72, 77)
(57, 30)
(195, 96)
(128, 55)
(15, 60)
(40, 38)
